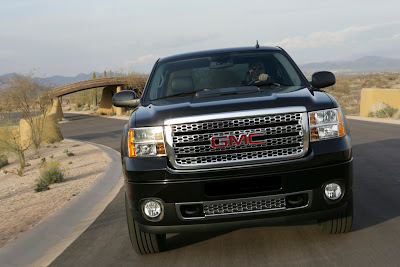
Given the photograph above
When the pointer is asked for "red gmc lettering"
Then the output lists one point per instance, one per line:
(255, 142)
(237, 142)
(222, 141)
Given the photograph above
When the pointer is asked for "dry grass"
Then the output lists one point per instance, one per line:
(347, 90)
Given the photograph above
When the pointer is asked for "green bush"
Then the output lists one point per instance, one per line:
(49, 173)
(69, 154)
(3, 160)
(386, 112)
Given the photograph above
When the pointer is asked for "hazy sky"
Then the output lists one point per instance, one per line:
(71, 37)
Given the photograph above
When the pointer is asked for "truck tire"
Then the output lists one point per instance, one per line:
(143, 243)
(341, 223)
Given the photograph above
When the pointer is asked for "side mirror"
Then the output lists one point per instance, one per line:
(322, 79)
(125, 99)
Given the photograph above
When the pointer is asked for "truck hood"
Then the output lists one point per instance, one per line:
(160, 110)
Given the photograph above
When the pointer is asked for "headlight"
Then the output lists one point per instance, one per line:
(326, 124)
(146, 142)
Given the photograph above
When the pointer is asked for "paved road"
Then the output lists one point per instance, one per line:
(374, 240)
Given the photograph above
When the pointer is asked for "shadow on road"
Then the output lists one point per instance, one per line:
(76, 116)
(91, 137)
(376, 183)
(187, 239)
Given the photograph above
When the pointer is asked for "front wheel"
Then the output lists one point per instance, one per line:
(143, 243)
(341, 222)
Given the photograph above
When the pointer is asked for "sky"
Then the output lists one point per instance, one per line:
(70, 37)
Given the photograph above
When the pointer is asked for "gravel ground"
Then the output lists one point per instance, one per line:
(21, 208)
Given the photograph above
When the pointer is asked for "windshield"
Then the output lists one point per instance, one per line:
(270, 69)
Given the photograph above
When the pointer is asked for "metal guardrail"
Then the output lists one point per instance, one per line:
(82, 85)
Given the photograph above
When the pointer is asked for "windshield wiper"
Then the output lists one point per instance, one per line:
(180, 94)
(267, 83)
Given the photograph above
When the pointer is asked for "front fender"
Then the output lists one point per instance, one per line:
(124, 142)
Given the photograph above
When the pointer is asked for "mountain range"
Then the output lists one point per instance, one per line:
(56, 80)
(364, 64)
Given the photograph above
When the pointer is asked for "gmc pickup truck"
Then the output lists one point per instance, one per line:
(232, 138)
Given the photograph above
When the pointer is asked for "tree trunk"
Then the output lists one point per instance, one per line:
(21, 158)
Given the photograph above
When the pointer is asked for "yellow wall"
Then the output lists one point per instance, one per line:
(51, 129)
(106, 105)
(369, 96)
(56, 108)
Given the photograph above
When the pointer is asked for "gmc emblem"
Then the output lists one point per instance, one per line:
(231, 140)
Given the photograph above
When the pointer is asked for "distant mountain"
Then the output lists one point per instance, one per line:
(61, 80)
(364, 64)
(56, 80)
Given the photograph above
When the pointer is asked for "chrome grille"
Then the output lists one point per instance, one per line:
(243, 206)
(276, 153)
(267, 131)
(284, 135)
(232, 123)
(208, 148)
(237, 207)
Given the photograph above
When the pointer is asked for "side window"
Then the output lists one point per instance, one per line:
(288, 70)
(158, 84)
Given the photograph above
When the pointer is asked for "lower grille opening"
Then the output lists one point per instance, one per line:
(192, 210)
(243, 206)
(296, 201)
(244, 186)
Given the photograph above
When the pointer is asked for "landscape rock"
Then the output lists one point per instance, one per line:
(377, 106)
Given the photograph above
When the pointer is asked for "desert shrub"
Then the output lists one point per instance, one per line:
(386, 112)
(49, 173)
(113, 114)
(3, 160)
(69, 154)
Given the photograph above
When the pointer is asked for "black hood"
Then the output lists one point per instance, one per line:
(157, 111)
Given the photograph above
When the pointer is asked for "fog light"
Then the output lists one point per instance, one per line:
(333, 191)
(152, 209)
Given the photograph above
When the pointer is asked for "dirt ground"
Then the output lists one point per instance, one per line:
(21, 208)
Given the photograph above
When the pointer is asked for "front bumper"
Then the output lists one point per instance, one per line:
(195, 188)
(234, 225)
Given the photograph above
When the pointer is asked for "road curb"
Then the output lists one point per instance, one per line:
(47, 240)
(387, 121)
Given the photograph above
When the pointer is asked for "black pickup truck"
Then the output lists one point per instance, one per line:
(233, 138)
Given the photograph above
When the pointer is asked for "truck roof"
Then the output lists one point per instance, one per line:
(219, 51)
